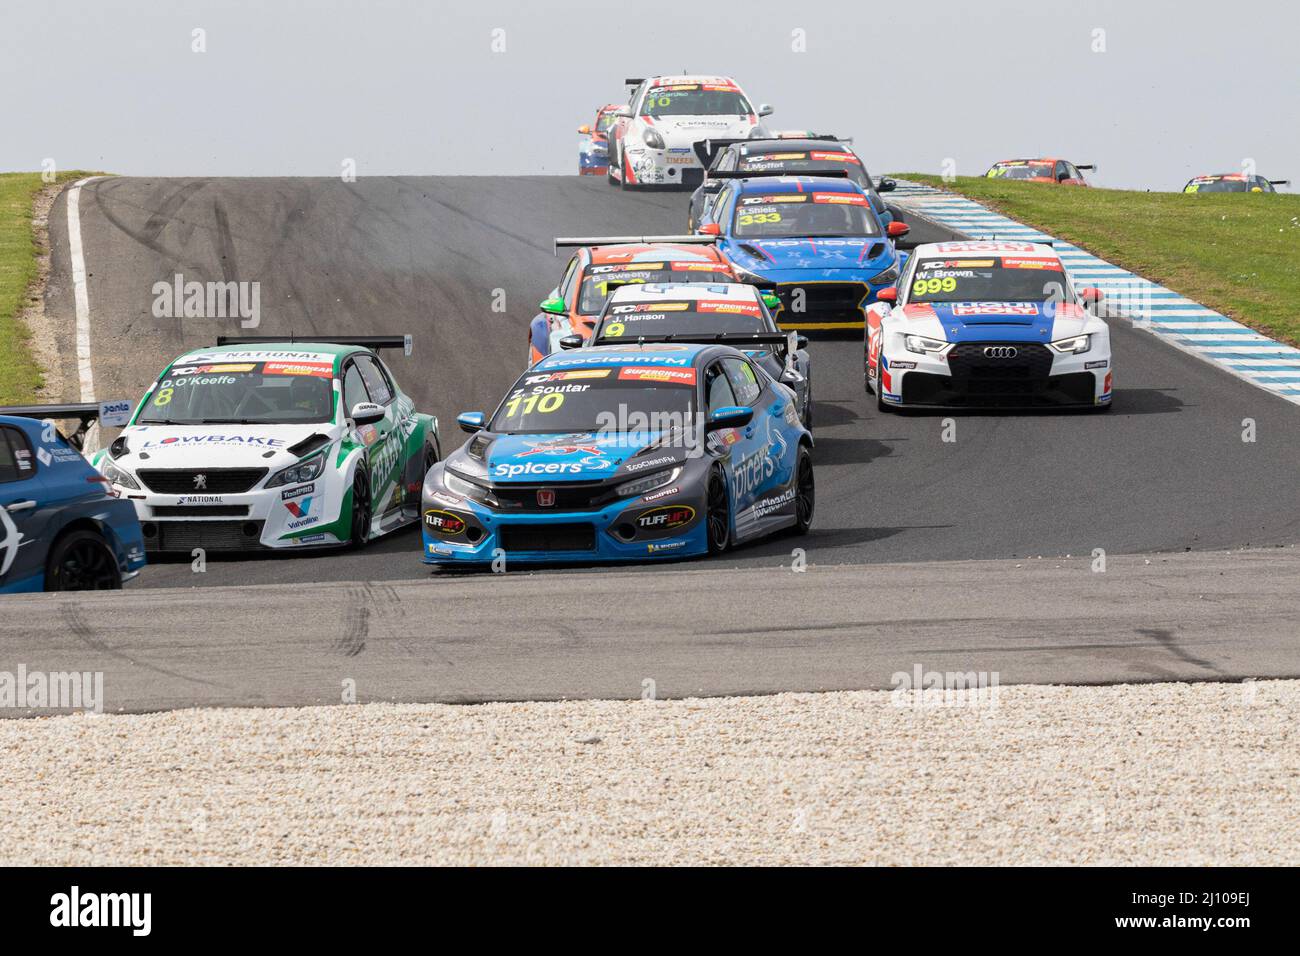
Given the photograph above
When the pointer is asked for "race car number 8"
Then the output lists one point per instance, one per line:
(540, 403)
(932, 286)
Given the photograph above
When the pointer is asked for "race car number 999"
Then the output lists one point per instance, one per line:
(933, 286)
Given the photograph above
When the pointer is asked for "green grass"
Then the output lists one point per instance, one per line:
(1238, 253)
(20, 376)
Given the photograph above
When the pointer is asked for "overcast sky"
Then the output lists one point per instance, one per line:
(291, 87)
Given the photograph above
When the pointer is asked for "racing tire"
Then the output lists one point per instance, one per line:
(718, 514)
(808, 410)
(82, 561)
(881, 405)
(609, 173)
(805, 493)
(622, 181)
(362, 510)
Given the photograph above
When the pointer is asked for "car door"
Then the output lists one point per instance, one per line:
(388, 452)
(768, 430)
(24, 514)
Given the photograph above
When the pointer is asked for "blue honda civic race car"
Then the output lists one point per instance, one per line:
(61, 529)
(813, 240)
(623, 452)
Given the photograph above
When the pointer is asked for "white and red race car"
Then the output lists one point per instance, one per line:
(987, 324)
(653, 142)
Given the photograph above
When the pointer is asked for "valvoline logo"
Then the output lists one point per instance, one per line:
(299, 508)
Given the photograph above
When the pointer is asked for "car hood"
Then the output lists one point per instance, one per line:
(687, 130)
(861, 254)
(585, 456)
(218, 446)
(1020, 321)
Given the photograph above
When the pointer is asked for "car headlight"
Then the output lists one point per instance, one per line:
(119, 476)
(653, 139)
(920, 344)
(888, 277)
(458, 485)
(1075, 344)
(641, 486)
(308, 470)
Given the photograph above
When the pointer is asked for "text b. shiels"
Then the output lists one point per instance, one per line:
(179, 299)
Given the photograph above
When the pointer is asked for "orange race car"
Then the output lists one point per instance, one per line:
(601, 264)
(1045, 170)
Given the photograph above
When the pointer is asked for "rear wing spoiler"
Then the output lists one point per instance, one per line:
(1279, 182)
(1090, 166)
(372, 342)
(86, 414)
(567, 242)
(770, 173)
(784, 344)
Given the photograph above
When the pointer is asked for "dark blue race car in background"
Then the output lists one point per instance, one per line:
(624, 452)
(813, 240)
(60, 528)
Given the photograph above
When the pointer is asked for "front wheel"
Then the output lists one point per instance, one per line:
(719, 514)
(805, 497)
(362, 509)
(82, 561)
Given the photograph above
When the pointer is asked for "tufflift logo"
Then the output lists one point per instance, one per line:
(133, 910)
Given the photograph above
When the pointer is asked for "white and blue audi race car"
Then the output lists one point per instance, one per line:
(987, 324)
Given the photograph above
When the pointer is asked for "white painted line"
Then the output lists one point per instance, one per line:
(82, 301)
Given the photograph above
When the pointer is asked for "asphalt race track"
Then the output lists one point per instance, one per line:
(1165, 470)
(997, 510)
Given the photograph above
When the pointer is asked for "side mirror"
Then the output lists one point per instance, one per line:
(471, 421)
(771, 300)
(801, 342)
(730, 416)
(764, 109)
(886, 185)
(1091, 295)
(888, 294)
(571, 342)
(710, 229)
(554, 305)
(584, 129)
(897, 230)
(367, 413)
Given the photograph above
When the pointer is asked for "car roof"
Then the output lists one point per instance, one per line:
(653, 252)
(984, 247)
(680, 354)
(1032, 159)
(689, 79)
(797, 184)
(301, 351)
(762, 147)
(1214, 176)
(657, 291)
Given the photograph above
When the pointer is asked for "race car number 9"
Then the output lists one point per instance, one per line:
(759, 218)
(933, 286)
(613, 330)
(539, 403)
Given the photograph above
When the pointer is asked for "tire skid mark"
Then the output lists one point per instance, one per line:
(70, 614)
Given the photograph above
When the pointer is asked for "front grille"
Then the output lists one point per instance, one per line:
(822, 300)
(585, 496)
(548, 537)
(1024, 380)
(209, 535)
(200, 511)
(215, 481)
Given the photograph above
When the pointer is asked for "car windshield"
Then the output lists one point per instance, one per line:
(604, 122)
(254, 393)
(598, 281)
(566, 401)
(804, 215)
(683, 317)
(975, 278)
(694, 100)
(1022, 170)
(807, 163)
(1208, 185)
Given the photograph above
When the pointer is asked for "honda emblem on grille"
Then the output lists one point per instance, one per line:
(200, 481)
(545, 498)
(1001, 351)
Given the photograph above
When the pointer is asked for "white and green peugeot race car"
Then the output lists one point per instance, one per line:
(267, 443)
